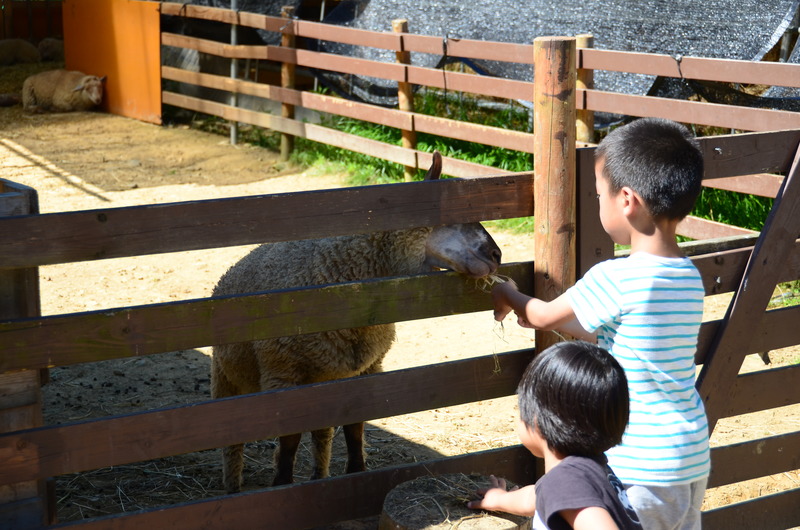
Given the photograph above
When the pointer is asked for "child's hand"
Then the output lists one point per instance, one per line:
(522, 322)
(500, 299)
(493, 496)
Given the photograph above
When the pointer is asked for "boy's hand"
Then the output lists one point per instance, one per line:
(492, 497)
(500, 299)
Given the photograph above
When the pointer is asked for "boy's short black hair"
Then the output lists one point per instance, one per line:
(576, 394)
(658, 159)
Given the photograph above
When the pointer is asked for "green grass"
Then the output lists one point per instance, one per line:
(737, 209)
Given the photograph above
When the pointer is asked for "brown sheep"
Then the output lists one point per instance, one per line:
(61, 91)
(15, 51)
(51, 49)
(289, 361)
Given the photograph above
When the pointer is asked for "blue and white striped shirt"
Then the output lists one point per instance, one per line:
(647, 312)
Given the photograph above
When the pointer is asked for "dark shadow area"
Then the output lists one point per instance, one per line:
(123, 386)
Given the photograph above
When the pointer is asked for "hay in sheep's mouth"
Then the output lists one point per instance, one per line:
(486, 283)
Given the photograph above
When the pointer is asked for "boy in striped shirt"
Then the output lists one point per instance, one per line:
(646, 309)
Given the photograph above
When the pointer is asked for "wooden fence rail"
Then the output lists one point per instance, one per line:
(30, 454)
(695, 112)
(39, 342)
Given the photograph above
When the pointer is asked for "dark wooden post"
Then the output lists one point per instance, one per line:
(584, 80)
(26, 504)
(405, 96)
(554, 170)
(287, 81)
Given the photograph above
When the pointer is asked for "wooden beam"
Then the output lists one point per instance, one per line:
(724, 70)
(770, 512)
(56, 450)
(335, 499)
(754, 458)
(724, 358)
(153, 229)
(554, 172)
(143, 330)
(23, 503)
(715, 114)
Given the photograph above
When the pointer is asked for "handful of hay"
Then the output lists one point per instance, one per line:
(486, 283)
(440, 503)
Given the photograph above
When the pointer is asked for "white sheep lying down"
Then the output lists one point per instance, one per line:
(289, 361)
(62, 91)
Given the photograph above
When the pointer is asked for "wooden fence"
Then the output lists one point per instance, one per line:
(407, 121)
(29, 454)
(30, 19)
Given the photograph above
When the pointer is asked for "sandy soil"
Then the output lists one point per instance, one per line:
(92, 160)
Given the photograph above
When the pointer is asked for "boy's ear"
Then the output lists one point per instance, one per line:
(630, 201)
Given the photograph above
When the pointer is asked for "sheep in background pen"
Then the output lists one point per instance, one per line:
(16, 51)
(310, 358)
(61, 91)
(51, 49)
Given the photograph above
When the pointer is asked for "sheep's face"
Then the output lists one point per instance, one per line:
(92, 88)
(465, 248)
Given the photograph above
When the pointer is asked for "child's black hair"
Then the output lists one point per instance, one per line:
(658, 159)
(576, 394)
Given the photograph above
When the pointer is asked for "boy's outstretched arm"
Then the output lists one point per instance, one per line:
(535, 313)
(517, 501)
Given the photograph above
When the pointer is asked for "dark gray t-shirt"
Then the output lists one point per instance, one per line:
(580, 482)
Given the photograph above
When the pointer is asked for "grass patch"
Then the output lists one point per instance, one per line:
(746, 211)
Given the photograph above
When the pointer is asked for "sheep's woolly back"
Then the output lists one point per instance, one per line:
(15, 51)
(51, 49)
(61, 91)
(314, 357)
(330, 260)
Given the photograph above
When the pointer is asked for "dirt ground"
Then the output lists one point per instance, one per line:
(93, 160)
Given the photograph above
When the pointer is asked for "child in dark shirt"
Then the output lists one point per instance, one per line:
(573, 406)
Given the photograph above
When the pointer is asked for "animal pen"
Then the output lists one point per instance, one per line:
(559, 194)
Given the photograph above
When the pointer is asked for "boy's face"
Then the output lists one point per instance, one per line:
(530, 438)
(611, 214)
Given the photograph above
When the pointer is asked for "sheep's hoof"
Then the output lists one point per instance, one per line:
(233, 488)
(317, 473)
(282, 479)
(356, 467)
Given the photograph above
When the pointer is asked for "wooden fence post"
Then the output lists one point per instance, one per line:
(553, 170)
(26, 504)
(584, 80)
(234, 98)
(405, 96)
(287, 81)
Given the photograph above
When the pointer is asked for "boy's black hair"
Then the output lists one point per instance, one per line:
(658, 159)
(576, 394)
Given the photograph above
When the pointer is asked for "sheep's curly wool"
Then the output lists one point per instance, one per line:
(61, 91)
(317, 356)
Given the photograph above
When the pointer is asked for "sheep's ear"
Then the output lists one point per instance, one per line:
(79, 87)
(435, 170)
(102, 79)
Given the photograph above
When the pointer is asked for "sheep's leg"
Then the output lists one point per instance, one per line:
(354, 436)
(232, 456)
(354, 433)
(232, 467)
(323, 439)
(284, 459)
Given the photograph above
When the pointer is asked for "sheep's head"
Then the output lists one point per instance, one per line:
(92, 88)
(465, 248)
